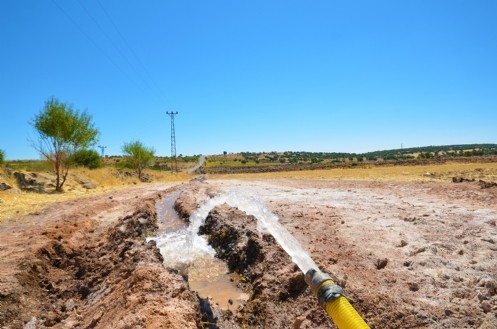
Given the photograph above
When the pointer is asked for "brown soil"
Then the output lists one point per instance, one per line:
(409, 255)
(278, 293)
(85, 264)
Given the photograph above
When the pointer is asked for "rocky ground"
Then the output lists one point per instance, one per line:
(409, 255)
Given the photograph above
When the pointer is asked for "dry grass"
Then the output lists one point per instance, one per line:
(104, 177)
(15, 202)
(18, 203)
(442, 172)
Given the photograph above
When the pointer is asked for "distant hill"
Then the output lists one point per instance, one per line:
(435, 151)
(330, 158)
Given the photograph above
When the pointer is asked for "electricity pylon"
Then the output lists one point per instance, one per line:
(102, 150)
(173, 142)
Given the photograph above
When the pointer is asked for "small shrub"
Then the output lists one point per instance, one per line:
(88, 158)
(2, 157)
(138, 156)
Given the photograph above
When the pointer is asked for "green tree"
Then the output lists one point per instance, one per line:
(2, 157)
(88, 158)
(62, 131)
(138, 156)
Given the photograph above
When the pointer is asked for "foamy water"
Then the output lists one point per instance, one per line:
(267, 221)
(185, 246)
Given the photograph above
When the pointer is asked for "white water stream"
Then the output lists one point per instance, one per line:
(182, 247)
(186, 251)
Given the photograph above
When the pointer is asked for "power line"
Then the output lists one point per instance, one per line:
(111, 41)
(107, 36)
(88, 37)
(173, 141)
(144, 68)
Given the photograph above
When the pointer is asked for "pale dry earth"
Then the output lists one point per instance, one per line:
(410, 255)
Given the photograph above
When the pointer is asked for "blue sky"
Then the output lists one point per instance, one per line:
(329, 76)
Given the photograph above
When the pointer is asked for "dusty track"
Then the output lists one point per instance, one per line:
(410, 255)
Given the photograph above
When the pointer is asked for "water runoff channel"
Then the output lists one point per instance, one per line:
(188, 252)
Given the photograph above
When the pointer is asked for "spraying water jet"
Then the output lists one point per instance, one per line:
(330, 295)
(191, 256)
(190, 245)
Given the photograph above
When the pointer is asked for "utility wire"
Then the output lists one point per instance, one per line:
(111, 41)
(144, 68)
(89, 38)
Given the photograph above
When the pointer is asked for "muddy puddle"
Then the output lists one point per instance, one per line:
(209, 278)
(195, 259)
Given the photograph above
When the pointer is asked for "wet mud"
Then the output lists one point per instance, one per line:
(409, 255)
(278, 293)
(85, 277)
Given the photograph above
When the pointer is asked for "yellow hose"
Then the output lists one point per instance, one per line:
(344, 315)
(334, 302)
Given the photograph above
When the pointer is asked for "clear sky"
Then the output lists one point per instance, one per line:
(269, 75)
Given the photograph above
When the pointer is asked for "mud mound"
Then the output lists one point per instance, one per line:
(278, 294)
(112, 281)
(189, 199)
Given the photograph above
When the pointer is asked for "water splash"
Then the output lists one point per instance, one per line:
(267, 221)
(207, 275)
(186, 246)
(179, 248)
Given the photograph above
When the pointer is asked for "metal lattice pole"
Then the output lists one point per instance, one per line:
(102, 150)
(173, 142)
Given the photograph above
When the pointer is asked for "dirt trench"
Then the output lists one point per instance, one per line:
(117, 282)
(86, 273)
(279, 297)
(408, 255)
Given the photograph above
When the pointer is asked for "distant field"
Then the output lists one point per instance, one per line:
(231, 163)
(17, 203)
(432, 172)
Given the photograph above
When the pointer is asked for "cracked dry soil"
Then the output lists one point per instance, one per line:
(410, 255)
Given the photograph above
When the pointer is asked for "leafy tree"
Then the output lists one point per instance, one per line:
(62, 132)
(2, 157)
(138, 156)
(88, 158)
